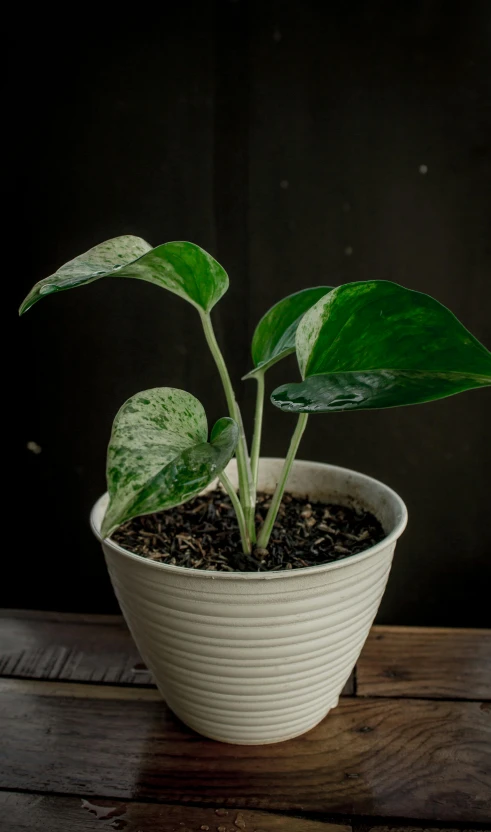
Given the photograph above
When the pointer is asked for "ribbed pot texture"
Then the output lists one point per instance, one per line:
(256, 657)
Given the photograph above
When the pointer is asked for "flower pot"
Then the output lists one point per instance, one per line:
(257, 657)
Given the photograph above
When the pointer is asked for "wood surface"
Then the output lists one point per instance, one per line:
(412, 758)
(70, 647)
(48, 813)
(79, 724)
(433, 662)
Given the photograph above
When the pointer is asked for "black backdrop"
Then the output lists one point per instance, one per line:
(301, 143)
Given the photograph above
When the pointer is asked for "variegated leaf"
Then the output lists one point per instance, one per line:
(159, 455)
(274, 336)
(181, 267)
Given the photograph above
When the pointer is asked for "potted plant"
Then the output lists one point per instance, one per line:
(255, 644)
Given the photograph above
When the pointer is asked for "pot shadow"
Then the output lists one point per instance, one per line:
(302, 774)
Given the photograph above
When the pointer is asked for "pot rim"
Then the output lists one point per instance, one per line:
(281, 574)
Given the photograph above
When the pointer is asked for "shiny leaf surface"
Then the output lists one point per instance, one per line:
(376, 344)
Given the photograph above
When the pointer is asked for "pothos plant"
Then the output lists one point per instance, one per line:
(359, 346)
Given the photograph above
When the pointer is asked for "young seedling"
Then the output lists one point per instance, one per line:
(359, 346)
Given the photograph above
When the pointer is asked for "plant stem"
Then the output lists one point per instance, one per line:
(258, 424)
(250, 507)
(244, 534)
(268, 524)
(246, 487)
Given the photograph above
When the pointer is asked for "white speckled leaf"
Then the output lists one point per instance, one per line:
(274, 336)
(180, 267)
(159, 455)
(376, 345)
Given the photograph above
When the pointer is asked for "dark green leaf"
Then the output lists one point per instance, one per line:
(180, 267)
(376, 344)
(159, 455)
(274, 337)
(365, 390)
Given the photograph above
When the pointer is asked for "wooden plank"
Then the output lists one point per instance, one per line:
(426, 661)
(421, 759)
(364, 827)
(77, 691)
(38, 813)
(60, 617)
(68, 647)
(72, 647)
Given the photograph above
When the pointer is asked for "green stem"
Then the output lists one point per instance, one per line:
(267, 528)
(250, 507)
(246, 487)
(258, 424)
(244, 534)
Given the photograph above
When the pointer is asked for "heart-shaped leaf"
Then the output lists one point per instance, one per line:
(159, 455)
(182, 268)
(376, 344)
(274, 336)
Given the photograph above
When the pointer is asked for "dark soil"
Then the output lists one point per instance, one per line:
(203, 534)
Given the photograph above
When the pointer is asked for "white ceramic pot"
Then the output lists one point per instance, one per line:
(257, 657)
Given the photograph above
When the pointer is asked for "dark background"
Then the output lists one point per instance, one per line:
(287, 139)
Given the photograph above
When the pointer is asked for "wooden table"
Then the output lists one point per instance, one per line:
(87, 743)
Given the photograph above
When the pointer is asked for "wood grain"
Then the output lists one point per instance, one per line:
(34, 813)
(69, 647)
(76, 648)
(361, 826)
(378, 757)
(426, 661)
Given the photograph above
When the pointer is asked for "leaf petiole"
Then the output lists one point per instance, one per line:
(268, 524)
(258, 424)
(244, 534)
(246, 486)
